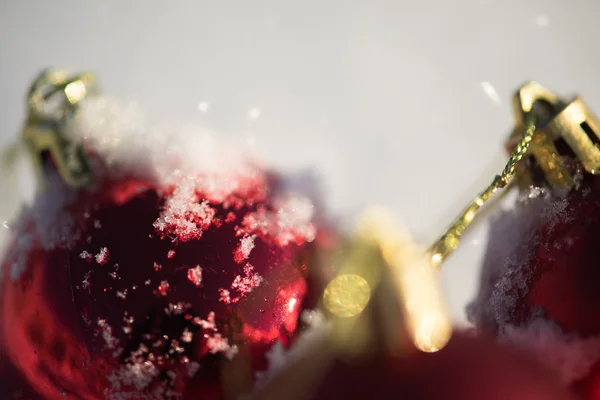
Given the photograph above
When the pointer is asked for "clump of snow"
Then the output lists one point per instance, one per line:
(250, 280)
(243, 284)
(118, 133)
(219, 344)
(54, 224)
(102, 256)
(163, 288)
(291, 221)
(214, 341)
(194, 169)
(506, 278)
(224, 296)
(45, 224)
(187, 336)
(199, 169)
(184, 214)
(194, 275)
(208, 323)
(132, 377)
(506, 275)
(244, 248)
(86, 284)
(177, 308)
(568, 355)
(110, 342)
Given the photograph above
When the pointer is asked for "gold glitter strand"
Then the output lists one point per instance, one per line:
(449, 241)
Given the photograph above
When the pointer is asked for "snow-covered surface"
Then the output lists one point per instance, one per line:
(507, 258)
(196, 170)
(569, 356)
(341, 87)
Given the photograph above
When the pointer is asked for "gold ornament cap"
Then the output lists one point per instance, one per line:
(562, 128)
(52, 100)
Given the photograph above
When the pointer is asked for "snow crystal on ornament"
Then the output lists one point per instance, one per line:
(224, 296)
(53, 223)
(290, 222)
(137, 373)
(110, 341)
(569, 356)
(184, 215)
(244, 248)
(163, 288)
(102, 256)
(45, 224)
(117, 133)
(194, 275)
(86, 284)
(218, 344)
(250, 280)
(514, 234)
(195, 168)
(243, 284)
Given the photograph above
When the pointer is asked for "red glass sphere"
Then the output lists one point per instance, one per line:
(539, 283)
(148, 287)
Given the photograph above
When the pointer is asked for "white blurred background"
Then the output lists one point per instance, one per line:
(401, 103)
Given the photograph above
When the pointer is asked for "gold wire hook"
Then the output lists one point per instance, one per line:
(449, 241)
(51, 100)
(544, 120)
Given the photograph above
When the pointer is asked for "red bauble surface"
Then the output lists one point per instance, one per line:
(158, 285)
(467, 368)
(541, 279)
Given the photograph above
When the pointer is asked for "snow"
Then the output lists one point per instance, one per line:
(243, 284)
(194, 168)
(110, 341)
(118, 133)
(567, 355)
(135, 373)
(102, 256)
(163, 288)
(245, 246)
(194, 275)
(53, 223)
(250, 280)
(291, 221)
(184, 214)
(224, 296)
(513, 232)
(86, 284)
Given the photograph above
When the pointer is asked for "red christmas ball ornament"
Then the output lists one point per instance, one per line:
(383, 339)
(539, 286)
(138, 284)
